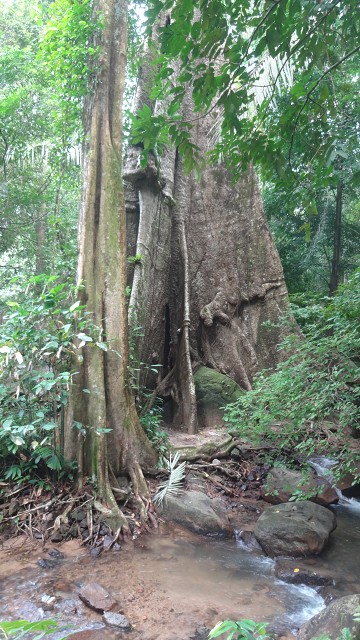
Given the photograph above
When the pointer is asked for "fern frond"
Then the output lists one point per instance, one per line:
(174, 482)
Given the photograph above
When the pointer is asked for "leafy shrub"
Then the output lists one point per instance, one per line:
(151, 423)
(40, 333)
(240, 630)
(22, 628)
(316, 385)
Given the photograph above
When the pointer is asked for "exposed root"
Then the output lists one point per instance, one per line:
(209, 450)
(63, 513)
(162, 389)
(142, 495)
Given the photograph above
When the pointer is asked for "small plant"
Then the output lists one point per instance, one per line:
(159, 438)
(137, 259)
(240, 630)
(174, 482)
(22, 628)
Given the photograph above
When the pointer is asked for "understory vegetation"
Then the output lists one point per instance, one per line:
(42, 330)
(311, 403)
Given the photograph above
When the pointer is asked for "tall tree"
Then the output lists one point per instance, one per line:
(101, 401)
(207, 275)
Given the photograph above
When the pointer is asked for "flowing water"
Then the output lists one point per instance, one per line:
(170, 583)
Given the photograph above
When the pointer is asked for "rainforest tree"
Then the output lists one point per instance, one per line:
(102, 406)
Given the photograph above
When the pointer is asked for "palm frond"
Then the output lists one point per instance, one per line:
(174, 482)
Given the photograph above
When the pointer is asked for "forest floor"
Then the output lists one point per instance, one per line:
(158, 610)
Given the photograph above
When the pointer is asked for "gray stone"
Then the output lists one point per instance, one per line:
(116, 620)
(213, 391)
(107, 542)
(197, 512)
(282, 483)
(97, 598)
(78, 515)
(294, 529)
(331, 620)
(55, 553)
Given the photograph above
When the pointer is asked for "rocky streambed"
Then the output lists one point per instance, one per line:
(175, 585)
(179, 581)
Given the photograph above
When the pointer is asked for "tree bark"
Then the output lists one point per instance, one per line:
(101, 397)
(210, 275)
(336, 258)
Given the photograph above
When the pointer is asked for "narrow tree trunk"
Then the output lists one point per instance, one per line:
(336, 259)
(101, 394)
(40, 234)
(186, 396)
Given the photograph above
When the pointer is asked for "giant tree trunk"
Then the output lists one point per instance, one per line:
(101, 395)
(209, 275)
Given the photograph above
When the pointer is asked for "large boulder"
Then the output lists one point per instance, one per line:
(331, 620)
(349, 484)
(197, 512)
(294, 529)
(281, 484)
(213, 391)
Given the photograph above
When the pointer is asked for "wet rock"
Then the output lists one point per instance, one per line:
(247, 539)
(44, 563)
(47, 602)
(331, 620)
(282, 483)
(288, 571)
(294, 529)
(70, 606)
(95, 597)
(349, 484)
(328, 594)
(55, 553)
(116, 620)
(87, 634)
(197, 512)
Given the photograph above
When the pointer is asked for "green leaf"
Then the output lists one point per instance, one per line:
(49, 426)
(83, 337)
(74, 306)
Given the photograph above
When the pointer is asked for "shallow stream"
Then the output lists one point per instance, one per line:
(171, 583)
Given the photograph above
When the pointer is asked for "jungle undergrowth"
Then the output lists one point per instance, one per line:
(310, 404)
